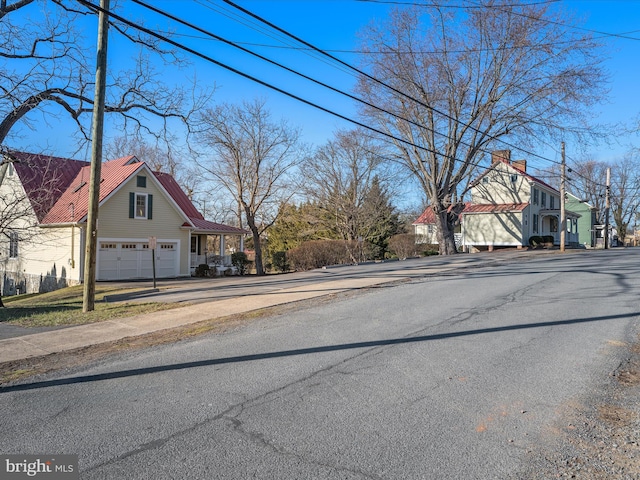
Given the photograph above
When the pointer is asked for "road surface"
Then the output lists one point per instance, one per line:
(464, 375)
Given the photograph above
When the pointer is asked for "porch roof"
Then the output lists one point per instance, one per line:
(556, 211)
(205, 227)
(494, 208)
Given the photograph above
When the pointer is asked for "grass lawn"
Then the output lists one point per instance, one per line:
(64, 307)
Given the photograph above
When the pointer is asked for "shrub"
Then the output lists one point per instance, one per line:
(318, 253)
(548, 240)
(404, 245)
(535, 241)
(240, 261)
(279, 261)
(202, 270)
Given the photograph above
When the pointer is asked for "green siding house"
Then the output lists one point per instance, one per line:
(586, 222)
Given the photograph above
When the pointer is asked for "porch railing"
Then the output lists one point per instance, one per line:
(210, 259)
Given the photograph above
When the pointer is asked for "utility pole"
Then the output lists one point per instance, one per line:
(89, 292)
(563, 212)
(607, 206)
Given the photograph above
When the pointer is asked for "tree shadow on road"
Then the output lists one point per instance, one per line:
(303, 351)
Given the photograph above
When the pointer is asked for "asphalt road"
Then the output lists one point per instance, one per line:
(199, 290)
(464, 375)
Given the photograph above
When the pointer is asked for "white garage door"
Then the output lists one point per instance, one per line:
(132, 260)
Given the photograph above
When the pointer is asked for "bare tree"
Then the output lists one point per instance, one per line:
(625, 192)
(46, 65)
(340, 179)
(456, 80)
(251, 159)
(160, 156)
(587, 181)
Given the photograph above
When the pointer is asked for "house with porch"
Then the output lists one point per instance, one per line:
(44, 247)
(508, 206)
(588, 221)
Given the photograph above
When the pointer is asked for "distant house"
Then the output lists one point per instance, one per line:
(136, 205)
(426, 229)
(588, 221)
(508, 206)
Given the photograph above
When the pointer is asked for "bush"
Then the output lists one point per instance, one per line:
(535, 241)
(404, 245)
(318, 253)
(548, 240)
(240, 261)
(202, 270)
(279, 261)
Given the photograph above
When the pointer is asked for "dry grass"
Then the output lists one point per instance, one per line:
(64, 307)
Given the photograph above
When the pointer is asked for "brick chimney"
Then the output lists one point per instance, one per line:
(501, 156)
(520, 165)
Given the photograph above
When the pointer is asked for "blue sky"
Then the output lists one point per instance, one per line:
(333, 25)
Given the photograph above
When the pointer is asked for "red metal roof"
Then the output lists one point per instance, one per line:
(178, 195)
(73, 204)
(45, 178)
(187, 206)
(500, 208)
(212, 227)
(428, 217)
(58, 189)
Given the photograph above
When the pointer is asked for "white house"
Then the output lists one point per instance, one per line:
(136, 205)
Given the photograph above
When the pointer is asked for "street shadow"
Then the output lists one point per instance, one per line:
(301, 351)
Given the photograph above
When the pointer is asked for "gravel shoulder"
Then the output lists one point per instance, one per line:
(597, 438)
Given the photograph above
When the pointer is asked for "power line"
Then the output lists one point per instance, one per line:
(380, 82)
(306, 77)
(477, 5)
(282, 91)
(247, 76)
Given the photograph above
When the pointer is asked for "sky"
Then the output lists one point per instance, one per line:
(333, 26)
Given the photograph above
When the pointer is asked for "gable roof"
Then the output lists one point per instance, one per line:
(517, 170)
(58, 189)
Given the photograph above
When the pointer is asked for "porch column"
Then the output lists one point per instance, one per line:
(242, 243)
(221, 245)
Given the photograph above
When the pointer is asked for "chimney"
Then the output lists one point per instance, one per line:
(501, 156)
(520, 165)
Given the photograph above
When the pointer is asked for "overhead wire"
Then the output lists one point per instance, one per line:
(273, 62)
(201, 55)
(306, 77)
(380, 82)
(250, 77)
